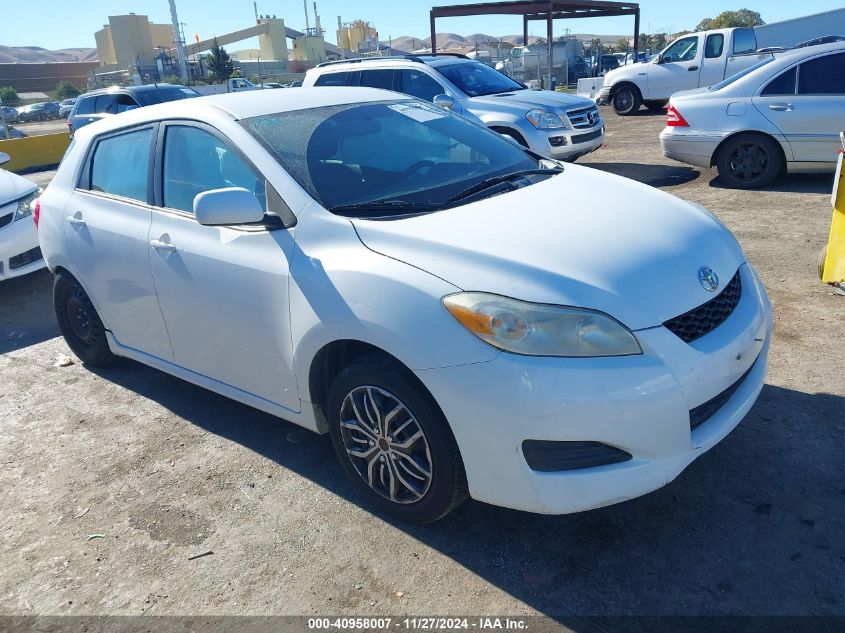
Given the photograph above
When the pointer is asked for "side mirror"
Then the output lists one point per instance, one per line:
(4, 158)
(659, 58)
(225, 207)
(444, 101)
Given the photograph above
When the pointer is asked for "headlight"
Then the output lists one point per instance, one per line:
(536, 329)
(543, 120)
(25, 205)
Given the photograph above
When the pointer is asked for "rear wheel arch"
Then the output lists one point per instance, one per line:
(725, 141)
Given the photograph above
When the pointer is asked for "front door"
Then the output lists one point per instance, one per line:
(223, 291)
(107, 222)
(807, 104)
(677, 69)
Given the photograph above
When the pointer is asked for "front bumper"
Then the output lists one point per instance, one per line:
(19, 252)
(640, 404)
(688, 146)
(566, 143)
(603, 97)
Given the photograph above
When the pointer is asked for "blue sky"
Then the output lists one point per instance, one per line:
(72, 24)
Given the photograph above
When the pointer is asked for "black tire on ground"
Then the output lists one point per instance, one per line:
(436, 474)
(822, 257)
(749, 161)
(79, 322)
(655, 106)
(626, 100)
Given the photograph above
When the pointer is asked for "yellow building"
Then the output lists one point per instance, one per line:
(128, 40)
(310, 49)
(355, 34)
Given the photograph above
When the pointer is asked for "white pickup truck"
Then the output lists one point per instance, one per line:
(692, 61)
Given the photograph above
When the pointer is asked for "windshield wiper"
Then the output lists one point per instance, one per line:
(385, 205)
(495, 180)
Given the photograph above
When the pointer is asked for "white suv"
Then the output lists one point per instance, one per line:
(553, 124)
(461, 316)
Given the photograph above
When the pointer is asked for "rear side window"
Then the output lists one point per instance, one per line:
(744, 41)
(378, 78)
(783, 84)
(714, 46)
(823, 76)
(331, 79)
(196, 161)
(121, 163)
(420, 85)
(86, 105)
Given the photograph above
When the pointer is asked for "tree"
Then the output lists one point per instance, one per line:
(218, 62)
(729, 19)
(66, 90)
(8, 95)
(623, 45)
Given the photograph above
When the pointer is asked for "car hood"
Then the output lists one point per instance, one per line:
(525, 100)
(13, 187)
(582, 238)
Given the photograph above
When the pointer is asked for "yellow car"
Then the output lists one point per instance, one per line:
(832, 257)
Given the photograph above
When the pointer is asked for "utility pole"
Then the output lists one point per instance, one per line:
(180, 43)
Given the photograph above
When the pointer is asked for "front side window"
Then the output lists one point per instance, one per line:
(476, 79)
(823, 76)
(783, 84)
(418, 84)
(684, 50)
(121, 163)
(714, 46)
(391, 150)
(196, 161)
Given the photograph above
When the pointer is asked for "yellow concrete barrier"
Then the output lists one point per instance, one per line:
(35, 151)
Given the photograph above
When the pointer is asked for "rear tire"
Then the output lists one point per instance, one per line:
(749, 161)
(79, 322)
(626, 100)
(393, 441)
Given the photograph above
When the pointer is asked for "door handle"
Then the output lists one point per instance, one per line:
(165, 247)
(692, 68)
(76, 219)
(781, 107)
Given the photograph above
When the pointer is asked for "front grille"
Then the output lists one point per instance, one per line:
(27, 257)
(6, 219)
(704, 412)
(702, 320)
(583, 138)
(581, 118)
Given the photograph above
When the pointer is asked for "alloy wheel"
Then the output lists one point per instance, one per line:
(748, 161)
(386, 445)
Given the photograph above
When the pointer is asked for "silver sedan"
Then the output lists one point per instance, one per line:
(783, 114)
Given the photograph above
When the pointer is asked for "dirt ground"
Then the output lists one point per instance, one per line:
(110, 480)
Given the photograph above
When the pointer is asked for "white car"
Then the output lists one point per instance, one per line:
(785, 113)
(461, 316)
(19, 251)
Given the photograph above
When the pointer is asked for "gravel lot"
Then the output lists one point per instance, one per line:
(111, 479)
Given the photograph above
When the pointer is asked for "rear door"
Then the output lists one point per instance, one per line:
(807, 104)
(713, 61)
(107, 222)
(678, 69)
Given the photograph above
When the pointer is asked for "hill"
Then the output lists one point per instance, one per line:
(453, 40)
(36, 55)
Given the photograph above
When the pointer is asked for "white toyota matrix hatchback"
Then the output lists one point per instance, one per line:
(464, 317)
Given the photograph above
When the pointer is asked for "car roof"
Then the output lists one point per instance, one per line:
(406, 60)
(242, 105)
(129, 89)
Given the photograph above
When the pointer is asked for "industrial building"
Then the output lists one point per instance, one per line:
(131, 40)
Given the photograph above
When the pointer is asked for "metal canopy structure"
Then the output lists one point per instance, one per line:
(548, 10)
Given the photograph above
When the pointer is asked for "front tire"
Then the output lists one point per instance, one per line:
(79, 322)
(394, 442)
(749, 161)
(626, 100)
